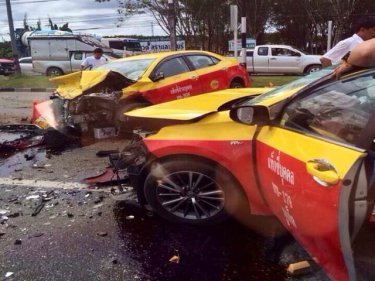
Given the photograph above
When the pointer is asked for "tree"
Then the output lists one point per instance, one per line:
(6, 50)
(258, 15)
(303, 23)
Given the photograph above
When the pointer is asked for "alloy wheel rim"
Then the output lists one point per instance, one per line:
(190, 195)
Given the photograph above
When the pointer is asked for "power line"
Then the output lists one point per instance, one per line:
(31, 2)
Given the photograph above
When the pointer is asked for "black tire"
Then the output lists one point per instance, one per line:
(54, 71)
(192, 192)
(312, 69)
(120, 118)
(236, 84)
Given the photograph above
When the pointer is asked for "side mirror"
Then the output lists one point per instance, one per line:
(251, 115)
(157, 77)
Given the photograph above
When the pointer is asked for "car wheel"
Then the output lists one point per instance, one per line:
(236, 84)
(192, 192)
(54, 71)
(120, 118)
(313, 68)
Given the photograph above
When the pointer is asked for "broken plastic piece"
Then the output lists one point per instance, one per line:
(108, 176)
(38, 209)
(175, 258)
(299, 268)
(8, 274)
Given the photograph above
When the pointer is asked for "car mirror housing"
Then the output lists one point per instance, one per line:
(158, 76)
(251, 115)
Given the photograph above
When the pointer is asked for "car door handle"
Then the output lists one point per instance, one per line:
(272, 58)
(194, 77)
(322, 172)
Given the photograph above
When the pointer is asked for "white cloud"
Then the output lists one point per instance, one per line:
(82, 15)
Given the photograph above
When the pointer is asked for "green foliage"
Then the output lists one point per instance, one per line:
(302, 23)
(5, 50)
(23, 81)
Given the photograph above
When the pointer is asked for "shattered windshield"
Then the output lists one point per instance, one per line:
(132, 69)
(292, 86)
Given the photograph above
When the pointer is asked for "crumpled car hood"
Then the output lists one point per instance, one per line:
(188, 110)
(197, 106)
(78, 83)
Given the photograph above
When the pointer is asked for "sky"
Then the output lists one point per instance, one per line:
(85, 16)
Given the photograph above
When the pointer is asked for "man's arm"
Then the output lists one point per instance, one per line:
(84, 64)
(362, 55)
(325, 62)
(336, 53)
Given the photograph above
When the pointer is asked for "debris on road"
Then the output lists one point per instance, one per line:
(102, 233)
(20, 136)
(299, 268)
(175, 258)
(8, 274)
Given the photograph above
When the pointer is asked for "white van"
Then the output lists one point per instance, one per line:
(123, 47)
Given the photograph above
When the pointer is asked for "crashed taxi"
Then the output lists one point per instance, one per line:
(303, 153)
(98, 98)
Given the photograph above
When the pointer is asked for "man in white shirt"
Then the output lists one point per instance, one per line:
(365, 29)
(95, 60)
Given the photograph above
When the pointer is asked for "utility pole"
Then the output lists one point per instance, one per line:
(329, 37)
(172, 24)
(152, 29)
(234, 26)
(243, 33)
(12, 37)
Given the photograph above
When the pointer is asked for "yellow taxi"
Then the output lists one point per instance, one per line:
(99, 97)
(303, 153)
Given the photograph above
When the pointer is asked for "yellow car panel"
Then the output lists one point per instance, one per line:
(212, 128)
(74, 84)
(194, 107)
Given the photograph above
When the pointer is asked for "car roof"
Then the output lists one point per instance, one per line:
(25, 58)
(6, 60)
(161, 55)
(276, 46)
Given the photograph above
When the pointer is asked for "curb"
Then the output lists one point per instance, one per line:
(10, 89)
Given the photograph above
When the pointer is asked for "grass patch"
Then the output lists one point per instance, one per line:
(271, 80)
(42, 81)
(23, 81)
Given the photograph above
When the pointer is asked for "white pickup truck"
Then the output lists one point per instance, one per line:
(280, 59)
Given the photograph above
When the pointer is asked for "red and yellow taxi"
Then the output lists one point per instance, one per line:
(303, 152)
(99, 97)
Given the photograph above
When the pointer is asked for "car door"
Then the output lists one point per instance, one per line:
(76, 59)
(312, 169)
(284, 60)
(176, 80)
(261, 60)
(211, 71)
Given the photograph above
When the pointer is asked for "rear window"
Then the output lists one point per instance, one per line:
(25, 60)
(132, 69)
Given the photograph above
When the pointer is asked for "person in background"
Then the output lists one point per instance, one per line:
(365, 30)
(363, 55)
(95, 60)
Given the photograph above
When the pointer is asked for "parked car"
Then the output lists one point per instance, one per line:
(280, 59)
(6, 67)
(98, 98)
(303, 152)
(26, 66)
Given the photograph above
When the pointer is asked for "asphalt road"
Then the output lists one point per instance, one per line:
(53, 227)
(15, 107)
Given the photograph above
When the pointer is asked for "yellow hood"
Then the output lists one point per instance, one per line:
(77, 83)
(194, 107)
